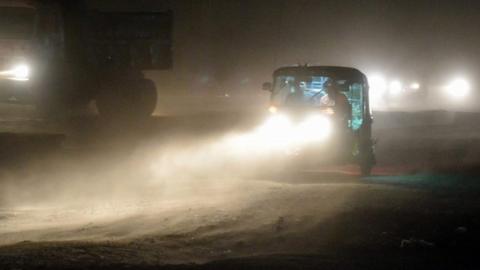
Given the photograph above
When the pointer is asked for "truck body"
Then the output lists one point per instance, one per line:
(17, 20)
(78, 54)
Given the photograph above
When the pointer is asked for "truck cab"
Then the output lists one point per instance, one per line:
(17, 28)
(67, 54)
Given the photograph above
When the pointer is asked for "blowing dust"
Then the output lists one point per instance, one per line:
(68, 189)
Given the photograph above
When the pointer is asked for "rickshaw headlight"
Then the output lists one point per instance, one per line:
(275, 125)
(273, 109)
(315, 128)
(279, 131)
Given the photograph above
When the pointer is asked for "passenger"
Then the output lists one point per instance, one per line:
(335, 98)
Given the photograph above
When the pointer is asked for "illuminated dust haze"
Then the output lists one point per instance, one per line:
(221, 170)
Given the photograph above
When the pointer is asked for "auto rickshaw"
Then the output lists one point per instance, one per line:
(311, 121)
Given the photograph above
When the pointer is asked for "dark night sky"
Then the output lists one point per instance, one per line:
(223, 42)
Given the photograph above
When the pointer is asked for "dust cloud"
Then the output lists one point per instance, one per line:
(50, 199)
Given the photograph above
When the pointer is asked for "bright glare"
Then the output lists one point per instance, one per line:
(273, 109)
(415, 86)
(276, 127)
(458, 88)
(315, 128)
(378, 86)
(279, 133)
(275, 134)
(377, 83)
(395, 88)
(19, 73)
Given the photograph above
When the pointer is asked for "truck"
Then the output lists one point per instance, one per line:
(62, 55)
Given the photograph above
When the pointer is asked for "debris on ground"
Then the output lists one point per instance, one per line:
(416, 243)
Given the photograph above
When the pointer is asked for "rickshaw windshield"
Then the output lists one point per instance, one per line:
(309, 91)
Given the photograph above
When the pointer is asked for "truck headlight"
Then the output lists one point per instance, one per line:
(20, 72)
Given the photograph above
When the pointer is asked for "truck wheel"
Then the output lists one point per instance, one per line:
(51, 109)
(50, 98)
(146, 98)
(133, 100)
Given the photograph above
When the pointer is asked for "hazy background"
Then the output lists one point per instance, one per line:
(183, 189)
(232, 46)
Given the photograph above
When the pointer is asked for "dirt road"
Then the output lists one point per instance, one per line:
(136, 207)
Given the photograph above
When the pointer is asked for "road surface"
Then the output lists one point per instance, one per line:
(160, 195)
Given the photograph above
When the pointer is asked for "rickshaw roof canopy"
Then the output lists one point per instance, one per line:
(337, 72)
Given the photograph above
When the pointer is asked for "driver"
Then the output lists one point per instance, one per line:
(296, 94)
(334, 97)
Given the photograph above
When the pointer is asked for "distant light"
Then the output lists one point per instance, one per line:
(415, 86)
(377, 84)
(378, 87)
(395, 88)
(458, 88)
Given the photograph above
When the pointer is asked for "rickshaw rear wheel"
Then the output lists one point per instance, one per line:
(366, 160)
(366, 168)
